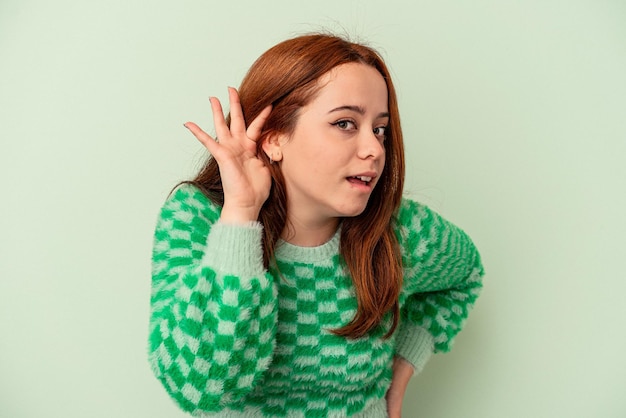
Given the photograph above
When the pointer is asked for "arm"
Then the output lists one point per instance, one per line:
(402, 373)
(213, 309)
(442, 280)
(213, 317)
(414, 346)
(443, 274)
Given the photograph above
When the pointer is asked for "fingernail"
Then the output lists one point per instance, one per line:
(185, 125)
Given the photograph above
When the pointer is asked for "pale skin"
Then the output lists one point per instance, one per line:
(348, 130)
(337, 141)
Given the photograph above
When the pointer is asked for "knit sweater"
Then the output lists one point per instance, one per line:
(229, 338)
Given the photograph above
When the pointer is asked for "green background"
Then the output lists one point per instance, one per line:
(514, 114)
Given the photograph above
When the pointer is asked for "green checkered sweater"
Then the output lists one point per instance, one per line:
(229, 338)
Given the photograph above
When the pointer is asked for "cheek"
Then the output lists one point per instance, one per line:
(383, 158)
(322, 159)
(307, 164)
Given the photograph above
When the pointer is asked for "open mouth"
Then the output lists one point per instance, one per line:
(364, 180)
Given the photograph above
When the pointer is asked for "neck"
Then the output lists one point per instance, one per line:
(309, 234)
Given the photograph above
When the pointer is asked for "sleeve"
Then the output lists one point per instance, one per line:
(415, 344)
(213, 305)
(442, 280)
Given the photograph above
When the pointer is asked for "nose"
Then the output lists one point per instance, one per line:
(370, 146)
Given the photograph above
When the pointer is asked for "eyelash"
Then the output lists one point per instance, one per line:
(340, 122)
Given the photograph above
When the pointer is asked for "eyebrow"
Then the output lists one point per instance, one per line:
(359, 110)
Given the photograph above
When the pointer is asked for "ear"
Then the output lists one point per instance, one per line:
(272, 146)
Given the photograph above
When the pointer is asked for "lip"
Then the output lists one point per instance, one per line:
(361, 186)
(371, 174)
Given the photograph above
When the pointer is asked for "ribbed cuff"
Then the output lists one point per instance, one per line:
(235, 249)
(416, 345)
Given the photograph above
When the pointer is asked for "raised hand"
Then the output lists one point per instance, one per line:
(245, 178)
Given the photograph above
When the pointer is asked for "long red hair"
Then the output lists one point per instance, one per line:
(286, 77)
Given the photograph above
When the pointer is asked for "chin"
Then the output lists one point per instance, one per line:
(351, 212)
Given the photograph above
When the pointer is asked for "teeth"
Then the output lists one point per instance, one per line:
(364, 178)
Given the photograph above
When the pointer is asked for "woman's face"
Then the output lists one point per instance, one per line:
(335, 156)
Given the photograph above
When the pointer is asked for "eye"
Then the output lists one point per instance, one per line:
(381, 132)
(344, 124)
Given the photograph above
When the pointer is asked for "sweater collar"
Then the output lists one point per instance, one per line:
(293, 253)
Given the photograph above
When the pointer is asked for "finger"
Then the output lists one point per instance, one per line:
(218, 119)
(206, 139)
(237, 121)
(256, 127)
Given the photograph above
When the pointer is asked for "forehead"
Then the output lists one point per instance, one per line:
(353, 84)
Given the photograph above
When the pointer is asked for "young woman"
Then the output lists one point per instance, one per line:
(290, 277)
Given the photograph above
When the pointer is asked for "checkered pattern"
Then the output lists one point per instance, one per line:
(227, 336)
(212, 333)
(443, 273)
